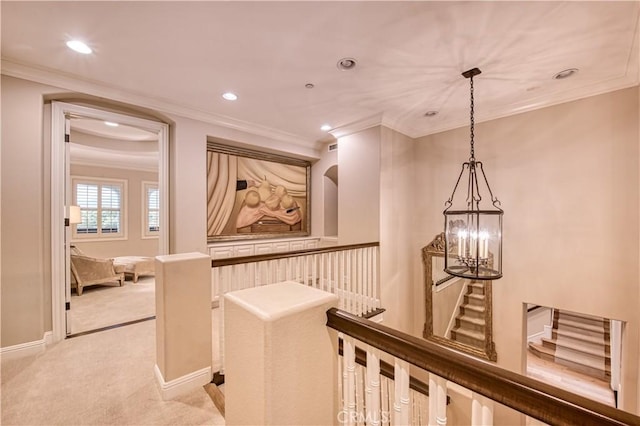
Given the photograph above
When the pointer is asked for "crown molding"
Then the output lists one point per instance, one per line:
(357, 126)
(96, 88)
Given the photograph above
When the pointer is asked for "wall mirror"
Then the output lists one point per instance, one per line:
(458, 311)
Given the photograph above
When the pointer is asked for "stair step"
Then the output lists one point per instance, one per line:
(589, 368)
(476, 288)
(579, 349)
(584, 339)
(469, 323)
(582, 318)
(474, 308)
(468, 337)
(472, 311)
(474, 299)
(574, 326)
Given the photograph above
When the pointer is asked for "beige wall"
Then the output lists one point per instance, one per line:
(25, 197)
(25, 245)
(568, 180)
(359, 187)
(135, 244)
(397, 225)
(318, 169)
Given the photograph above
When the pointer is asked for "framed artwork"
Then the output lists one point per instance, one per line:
(251, 194)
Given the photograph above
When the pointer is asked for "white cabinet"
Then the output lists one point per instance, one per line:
(264, 248)
(281, 246)
(297, 245)
(244, 248)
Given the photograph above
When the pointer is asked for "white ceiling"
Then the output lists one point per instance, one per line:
(95, 144)
(179, 57)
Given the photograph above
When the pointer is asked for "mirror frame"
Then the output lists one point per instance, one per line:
(436, 248)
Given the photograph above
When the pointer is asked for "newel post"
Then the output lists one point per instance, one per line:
(280, 357)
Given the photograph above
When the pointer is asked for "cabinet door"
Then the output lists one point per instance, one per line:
(244, 250)
(280, 246)
(264, 248)
(297, 245)
(311, 244)
(221, 252)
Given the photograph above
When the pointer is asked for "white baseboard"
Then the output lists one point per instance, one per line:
(28, 348)
(536, 336)
(176, 387)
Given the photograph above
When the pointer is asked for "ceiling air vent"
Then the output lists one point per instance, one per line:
(333, 147)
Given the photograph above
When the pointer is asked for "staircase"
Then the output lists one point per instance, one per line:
(470, 325)
(579, 342)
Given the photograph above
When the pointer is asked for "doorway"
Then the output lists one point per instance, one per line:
(574, 351)
(70, 119)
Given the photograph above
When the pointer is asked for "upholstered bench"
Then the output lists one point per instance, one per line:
(134, 266)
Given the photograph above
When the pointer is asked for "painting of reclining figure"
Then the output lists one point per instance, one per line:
(255, 195)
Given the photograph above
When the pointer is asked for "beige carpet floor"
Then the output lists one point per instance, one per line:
(104, 378)
(101, 306)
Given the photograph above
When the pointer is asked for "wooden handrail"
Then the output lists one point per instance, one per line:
(539, 400)
(216, 263)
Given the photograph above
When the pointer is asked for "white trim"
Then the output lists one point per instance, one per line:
(356, 126)
(78, 84)
(58, 112)
(144, 211)
(176, 387)
(537, 335)
(124, 209)
(28, 348)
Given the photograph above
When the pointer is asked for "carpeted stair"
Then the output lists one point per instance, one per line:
(579, 342)
(470, 325)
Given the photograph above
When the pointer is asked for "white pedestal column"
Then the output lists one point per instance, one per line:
(183, 322)
(280, 357)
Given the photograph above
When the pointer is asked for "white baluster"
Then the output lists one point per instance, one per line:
(481, 410)
(401, 395)
(349, 355)
(335, 284)
(375, 278)
(349, 283)
(437, 400)
(321, 274)
(441, 410)
(372, 396)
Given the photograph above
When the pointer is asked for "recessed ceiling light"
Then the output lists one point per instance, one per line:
(325, 127)
(111, 123)
(346, 64)
(79, 46)
(430, 113)
(230, 96)
(565, 73)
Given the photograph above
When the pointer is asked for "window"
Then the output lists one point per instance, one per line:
(151, 213)
(101, 205)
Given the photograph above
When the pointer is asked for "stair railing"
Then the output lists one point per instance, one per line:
(487, 382)
(349, 271)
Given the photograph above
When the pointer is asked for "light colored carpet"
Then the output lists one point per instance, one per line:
(101, 306)
(105, 378)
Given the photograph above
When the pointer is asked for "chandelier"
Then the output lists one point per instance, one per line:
(473, 231)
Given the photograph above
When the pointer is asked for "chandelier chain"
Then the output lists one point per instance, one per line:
(472, 122)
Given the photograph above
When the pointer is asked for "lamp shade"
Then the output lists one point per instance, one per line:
(75, 216)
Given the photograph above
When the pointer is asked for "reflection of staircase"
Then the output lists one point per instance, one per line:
(470, 326)
(579, 342)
